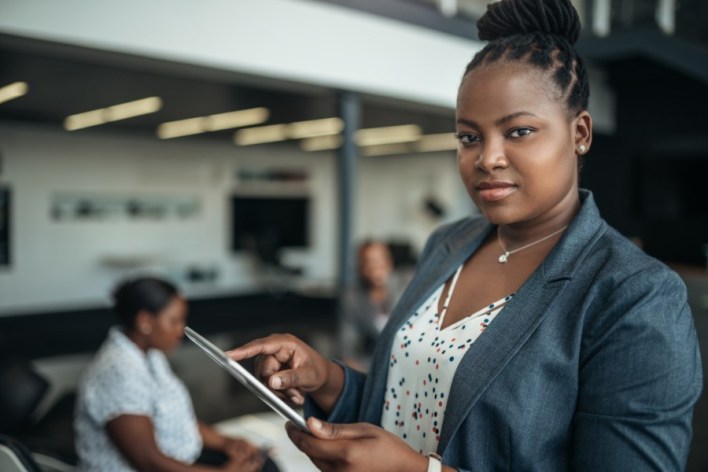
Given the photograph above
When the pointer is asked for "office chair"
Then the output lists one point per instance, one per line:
(22, 391)
(14, 457)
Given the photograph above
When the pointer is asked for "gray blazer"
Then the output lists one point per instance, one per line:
(592, 366)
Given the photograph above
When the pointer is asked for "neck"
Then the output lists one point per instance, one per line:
(535, 239)
(138, 339)
(516, 235)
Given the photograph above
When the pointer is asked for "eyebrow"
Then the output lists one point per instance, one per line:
(500, 121)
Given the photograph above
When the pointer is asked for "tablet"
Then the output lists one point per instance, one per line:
(247, 379)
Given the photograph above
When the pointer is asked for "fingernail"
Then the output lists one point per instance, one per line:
(276, 382)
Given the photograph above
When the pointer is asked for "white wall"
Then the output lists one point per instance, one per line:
(392, 192)
(58, 264)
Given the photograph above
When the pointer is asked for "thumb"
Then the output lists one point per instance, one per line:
(324, 430)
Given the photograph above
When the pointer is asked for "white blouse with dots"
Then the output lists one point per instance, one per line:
(423, 361)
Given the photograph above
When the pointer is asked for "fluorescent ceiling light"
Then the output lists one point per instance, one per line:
(321, 143)
(437, 142)
(318, 135)
(123, 111)
(261, 134)
(175, 129)
(314, 128)
(217, 122)
(118, 112)
(386, 149)
(84, 120)
(387, 135)
(237, 119)
(13, 91)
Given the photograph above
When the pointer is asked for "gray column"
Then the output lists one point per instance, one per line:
(350, 111)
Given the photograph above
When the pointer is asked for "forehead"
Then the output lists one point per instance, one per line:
(374, 250)
(177, 307)
(495, 90)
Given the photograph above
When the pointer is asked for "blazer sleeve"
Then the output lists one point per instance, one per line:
(640, 376)
(346, 410)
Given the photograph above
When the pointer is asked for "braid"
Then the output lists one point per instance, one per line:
(541, 33)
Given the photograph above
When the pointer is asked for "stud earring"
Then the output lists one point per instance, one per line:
(582, 148)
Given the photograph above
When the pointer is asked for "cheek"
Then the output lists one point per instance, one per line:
(465, 164)
(172, 329)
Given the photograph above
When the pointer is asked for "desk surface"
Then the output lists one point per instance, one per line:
(268, 430)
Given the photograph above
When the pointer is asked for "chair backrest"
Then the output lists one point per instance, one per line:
(22, 391)
(14, 457)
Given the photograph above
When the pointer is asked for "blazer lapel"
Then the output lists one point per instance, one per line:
(503, 338)
(490, 353)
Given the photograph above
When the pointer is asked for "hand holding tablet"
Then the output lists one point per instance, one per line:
(247, 379)
(294, 369)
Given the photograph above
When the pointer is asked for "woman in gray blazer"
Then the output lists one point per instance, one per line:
(534, 338)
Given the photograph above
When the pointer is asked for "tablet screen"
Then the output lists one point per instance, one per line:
(246, 379)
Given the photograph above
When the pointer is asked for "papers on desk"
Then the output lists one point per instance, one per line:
(268, 430)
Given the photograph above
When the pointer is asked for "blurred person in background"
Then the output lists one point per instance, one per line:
(132, 412)
(534, 337)
(366, 305)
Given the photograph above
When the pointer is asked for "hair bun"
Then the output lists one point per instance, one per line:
(514, 17)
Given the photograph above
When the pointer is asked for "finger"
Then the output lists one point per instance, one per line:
(269, 345)
(267, 366)
(295, 396)
(304, 378)
(324, 430)
(318, 450)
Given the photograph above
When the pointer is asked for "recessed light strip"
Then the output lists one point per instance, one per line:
(306, 130)
(437, 142)
(13, 91)
(217, 122)
(237, 119)
(261, 134)
(122, 111)
(425, 143)
(386, 149)
(314, 128)
(387, 135)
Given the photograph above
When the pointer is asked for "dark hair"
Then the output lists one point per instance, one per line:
(541, 33)
(145, 293)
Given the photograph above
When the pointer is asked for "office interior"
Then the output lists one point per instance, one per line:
(332, 117)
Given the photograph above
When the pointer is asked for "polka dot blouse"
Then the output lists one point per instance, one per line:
(423, 361)
(123, 380)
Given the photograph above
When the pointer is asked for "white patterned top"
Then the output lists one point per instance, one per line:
(423, 361)
(121, 380)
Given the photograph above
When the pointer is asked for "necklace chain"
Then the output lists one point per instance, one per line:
(505, 255)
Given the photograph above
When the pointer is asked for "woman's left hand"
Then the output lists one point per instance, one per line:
(358, 447)
(241, 449)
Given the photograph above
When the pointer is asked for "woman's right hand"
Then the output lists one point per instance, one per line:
(292, 369)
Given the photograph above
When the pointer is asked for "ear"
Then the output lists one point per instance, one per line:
(583, 132)
(144, 322)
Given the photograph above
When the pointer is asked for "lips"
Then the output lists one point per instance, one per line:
(495, 190)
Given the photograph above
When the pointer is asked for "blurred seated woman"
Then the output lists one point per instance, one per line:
(132, 412)
(366, 305)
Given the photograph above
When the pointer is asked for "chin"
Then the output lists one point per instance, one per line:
(498, 216)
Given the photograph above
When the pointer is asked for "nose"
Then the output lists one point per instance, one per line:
(492, 155)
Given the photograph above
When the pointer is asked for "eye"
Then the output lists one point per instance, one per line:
(467, 138)
(520, 132)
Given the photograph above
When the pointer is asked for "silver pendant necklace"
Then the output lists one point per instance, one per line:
(505, 255)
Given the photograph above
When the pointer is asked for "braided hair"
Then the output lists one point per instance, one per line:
(541, 33)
